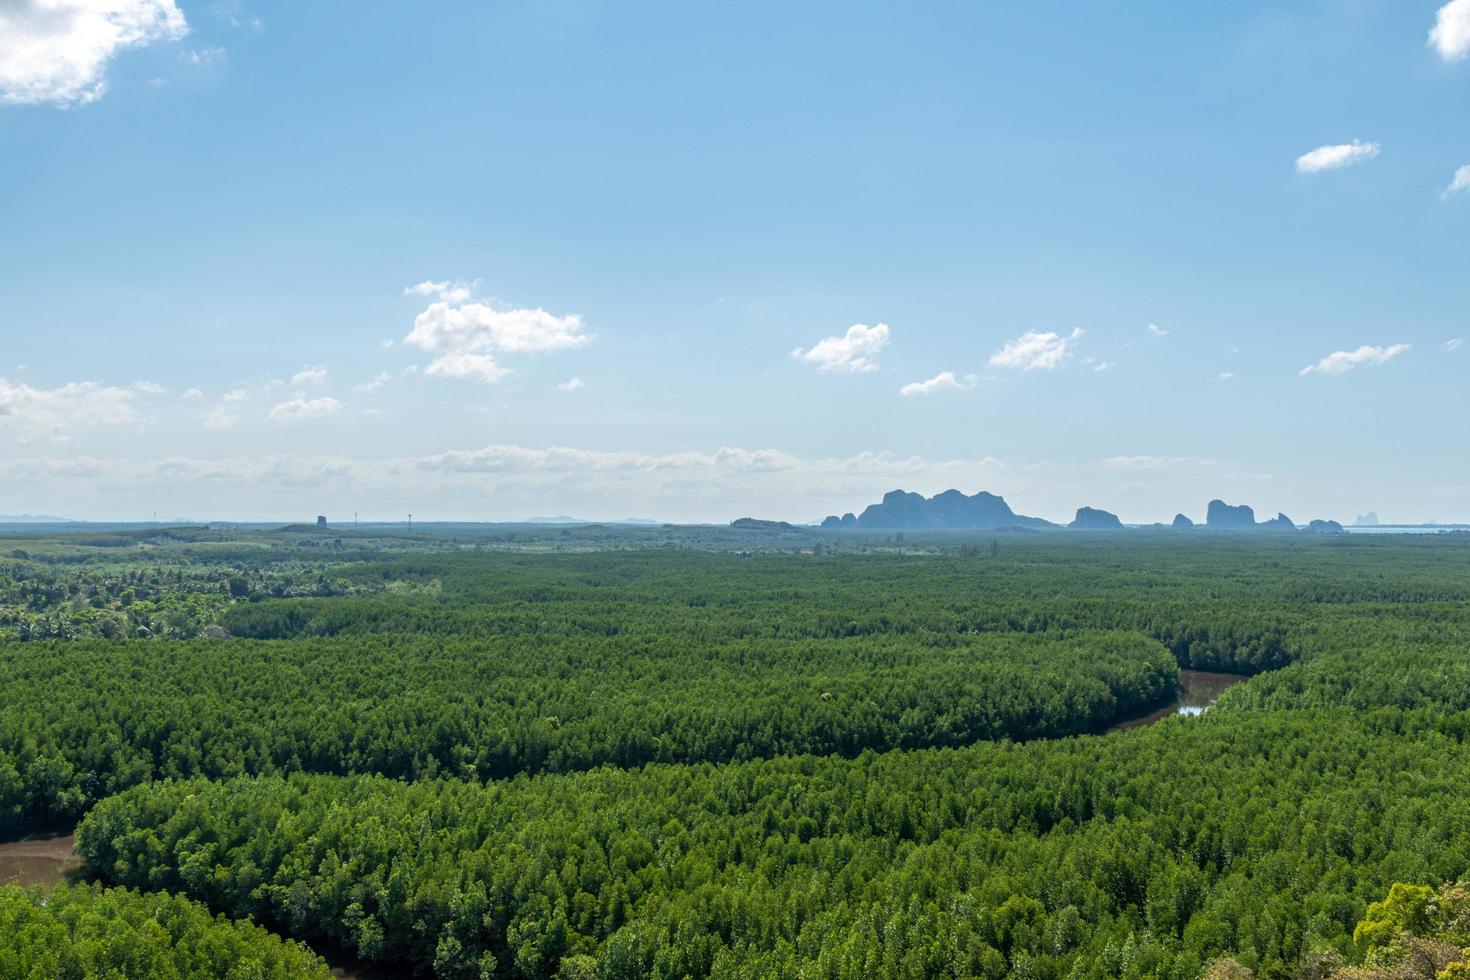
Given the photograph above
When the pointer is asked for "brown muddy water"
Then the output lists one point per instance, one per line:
(1198, 690)
(39, 860)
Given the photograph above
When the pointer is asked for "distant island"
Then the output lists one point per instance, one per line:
(902, 510)
(34, 519)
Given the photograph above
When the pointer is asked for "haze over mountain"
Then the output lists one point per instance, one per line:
(902, 510)
(952, 509)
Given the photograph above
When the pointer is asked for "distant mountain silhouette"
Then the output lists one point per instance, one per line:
(755, 524)
(1092, 519)
(903, 511)
(34, 519)
(1369, 519)
(1220, 515)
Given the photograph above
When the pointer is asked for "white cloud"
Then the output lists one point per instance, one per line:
(382, 378)
(1342, 361)
(298, 409)
(1157, 331)
(78, 404)
(467, 367)
(852, 353)
(309, 376)
(237, 395)
(1450, 35)
(456, 325)
(1036, 350)
(1460, 182)
(221, 419)
(1227, 375)
(1102, 366)
(944, 380)
(571, 385)
(193, 393)
(449, 292)
(1336, 156)
(386, 343)
(56, 51)
(1454, 344)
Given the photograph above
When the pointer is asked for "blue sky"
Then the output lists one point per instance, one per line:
(633, 259)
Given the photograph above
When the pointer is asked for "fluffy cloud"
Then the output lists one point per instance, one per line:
(465, 332)
(457, 324)
(1035, 349)
(1460, 182)
(78, 404)
(571, 385)
(56, 51)
(1336, 156)
(1450, 35)
(309, 376)
(852, 353)
(1157, 331)
(467, 367)
(450, 292)
(944, 380)
(1454, 344)
(1342, 361)
(299, 409)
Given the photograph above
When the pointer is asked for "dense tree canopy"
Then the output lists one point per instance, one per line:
(676, 752)
(1145, 854)
(90, 933)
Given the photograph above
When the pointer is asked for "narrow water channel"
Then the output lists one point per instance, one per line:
(1198, 690)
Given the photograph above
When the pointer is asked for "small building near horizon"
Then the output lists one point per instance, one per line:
(321, 521)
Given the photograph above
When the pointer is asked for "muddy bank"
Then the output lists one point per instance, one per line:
(39, 860)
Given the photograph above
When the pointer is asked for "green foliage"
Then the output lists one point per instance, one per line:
(1146, 854)
(85, 932)
(684, 752)
(82, 720)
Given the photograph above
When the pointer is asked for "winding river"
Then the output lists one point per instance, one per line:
(1198, 690)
